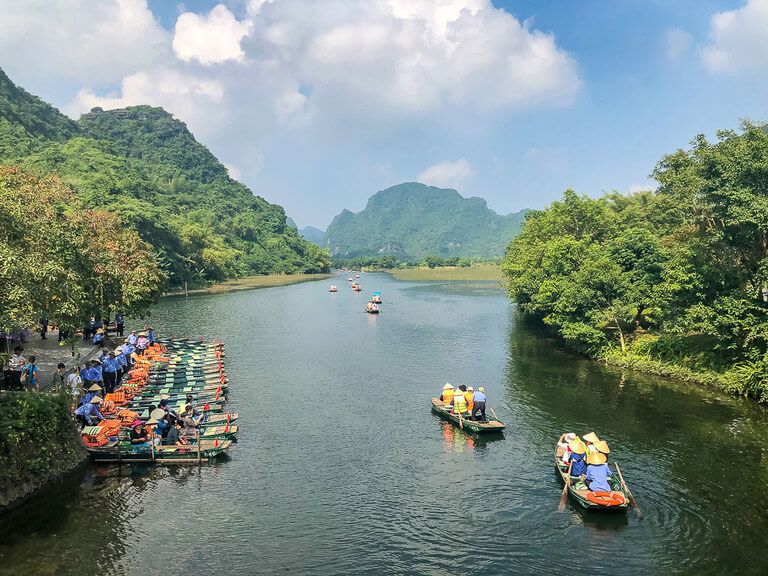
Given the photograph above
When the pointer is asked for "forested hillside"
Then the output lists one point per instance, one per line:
(145, 166)
(673, 281)
(412, 220)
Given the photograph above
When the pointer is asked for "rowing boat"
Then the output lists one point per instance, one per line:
(116, 451)
(475, 426)
(613, 501)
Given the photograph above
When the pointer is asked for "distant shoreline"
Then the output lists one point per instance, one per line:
(252, 283)
(489, 272)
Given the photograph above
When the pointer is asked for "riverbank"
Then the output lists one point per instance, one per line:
(253, 282)
(489, 272)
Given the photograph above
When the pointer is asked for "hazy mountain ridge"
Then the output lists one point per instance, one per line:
(413, 220)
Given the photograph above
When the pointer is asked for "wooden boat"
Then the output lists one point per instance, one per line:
(372, 308)
(333, 289)
(124, 452)
(492, 425)
(614, 501)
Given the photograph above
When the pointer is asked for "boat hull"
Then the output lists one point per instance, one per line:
(472, 426)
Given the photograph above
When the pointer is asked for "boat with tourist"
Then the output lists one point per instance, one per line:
(376, 298)
(468, 425)
(372, 308)
(333, 288)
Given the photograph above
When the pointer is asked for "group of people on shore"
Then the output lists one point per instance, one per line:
(466, 401)
(587, 458)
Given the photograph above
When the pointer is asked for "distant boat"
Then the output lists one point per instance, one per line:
(357, 288)
(333, 289)
(372, 308)
(376, 299)
(350, 279)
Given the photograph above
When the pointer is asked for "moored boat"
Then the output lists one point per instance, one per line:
(475, 426)
(614, 501)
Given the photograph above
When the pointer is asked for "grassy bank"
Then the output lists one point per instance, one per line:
(252, 282)
(490, 272)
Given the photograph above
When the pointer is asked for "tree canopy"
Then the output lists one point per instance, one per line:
(679, 274)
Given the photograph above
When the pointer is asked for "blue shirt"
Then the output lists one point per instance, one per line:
(579, 465)
(93, 374)
(128, 349)
(32, 371)
(152, 336)
(132, 339)
(479, 397)
(598, 476)
(84, 373)
(119, 319)
(109, 364)
(90, 412)
(121, 361)
(88, 397)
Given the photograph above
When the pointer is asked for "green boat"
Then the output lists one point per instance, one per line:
(614, 501)
(474, 426)
(123, 452)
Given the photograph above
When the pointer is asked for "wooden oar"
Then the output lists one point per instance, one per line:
(461, 422)
(564, 495)
(494, 413)
(631, 498)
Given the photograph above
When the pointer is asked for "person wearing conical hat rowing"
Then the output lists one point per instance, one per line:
(578, 457)
(447, 395)
(598, 472)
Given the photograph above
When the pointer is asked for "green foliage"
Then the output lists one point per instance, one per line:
(411, 221)
(676, 277)
(145, 166)
(63, 261)
(37, 436)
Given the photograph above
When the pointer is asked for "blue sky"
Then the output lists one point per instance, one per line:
(317, 105)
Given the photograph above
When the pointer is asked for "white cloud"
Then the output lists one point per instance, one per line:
(447, 174)
(641, 187)
(210, 39)
(193, 99)
(738, 39)
(80, 39)
(676, 42)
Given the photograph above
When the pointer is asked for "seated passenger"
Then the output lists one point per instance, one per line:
(567, 439)
(447, 396)
(139, 434)
(577, 459)
(460, 402)
(598, 473)
(590, 440)
(174, 435)
(468, 396)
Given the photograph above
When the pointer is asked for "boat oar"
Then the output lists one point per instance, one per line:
(494, 413)
(564, 495)
(461, 421)
(631, 498)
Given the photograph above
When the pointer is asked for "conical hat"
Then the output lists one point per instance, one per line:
(602, 446)
(94, 388)
(591, 437)
(157, 414)
(597, 458)
(577, 446)
(447, 387)
(96, 400)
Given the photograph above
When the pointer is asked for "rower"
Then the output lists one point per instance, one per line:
(578, 463)
(447, 396)
(477, 412)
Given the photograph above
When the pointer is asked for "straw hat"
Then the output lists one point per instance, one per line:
(447, 387)
(165, 396)
(570, 437)
(94, 388)
(151, 421)
(119, 350)
(470, 389)
(96, 400)
(602, 446)
(591, 437)
(577, 446)
(96, 361)
(481, 389)
(157, 414)
(596, 458)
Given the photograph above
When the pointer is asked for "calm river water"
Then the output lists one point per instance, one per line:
(341, 468)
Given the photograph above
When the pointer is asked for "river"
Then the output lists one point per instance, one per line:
(342, 469)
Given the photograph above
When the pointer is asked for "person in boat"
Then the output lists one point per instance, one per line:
(88, 414)
(447, 396)
(477, 412)
(565, 445)
(139, 434)
(174, 435)
(590, 440)
(189, 423)
(598, 473)
(460, 402)
(578, 457)
(468, 396)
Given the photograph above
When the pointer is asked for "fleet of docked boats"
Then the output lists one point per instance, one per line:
(172, 370)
